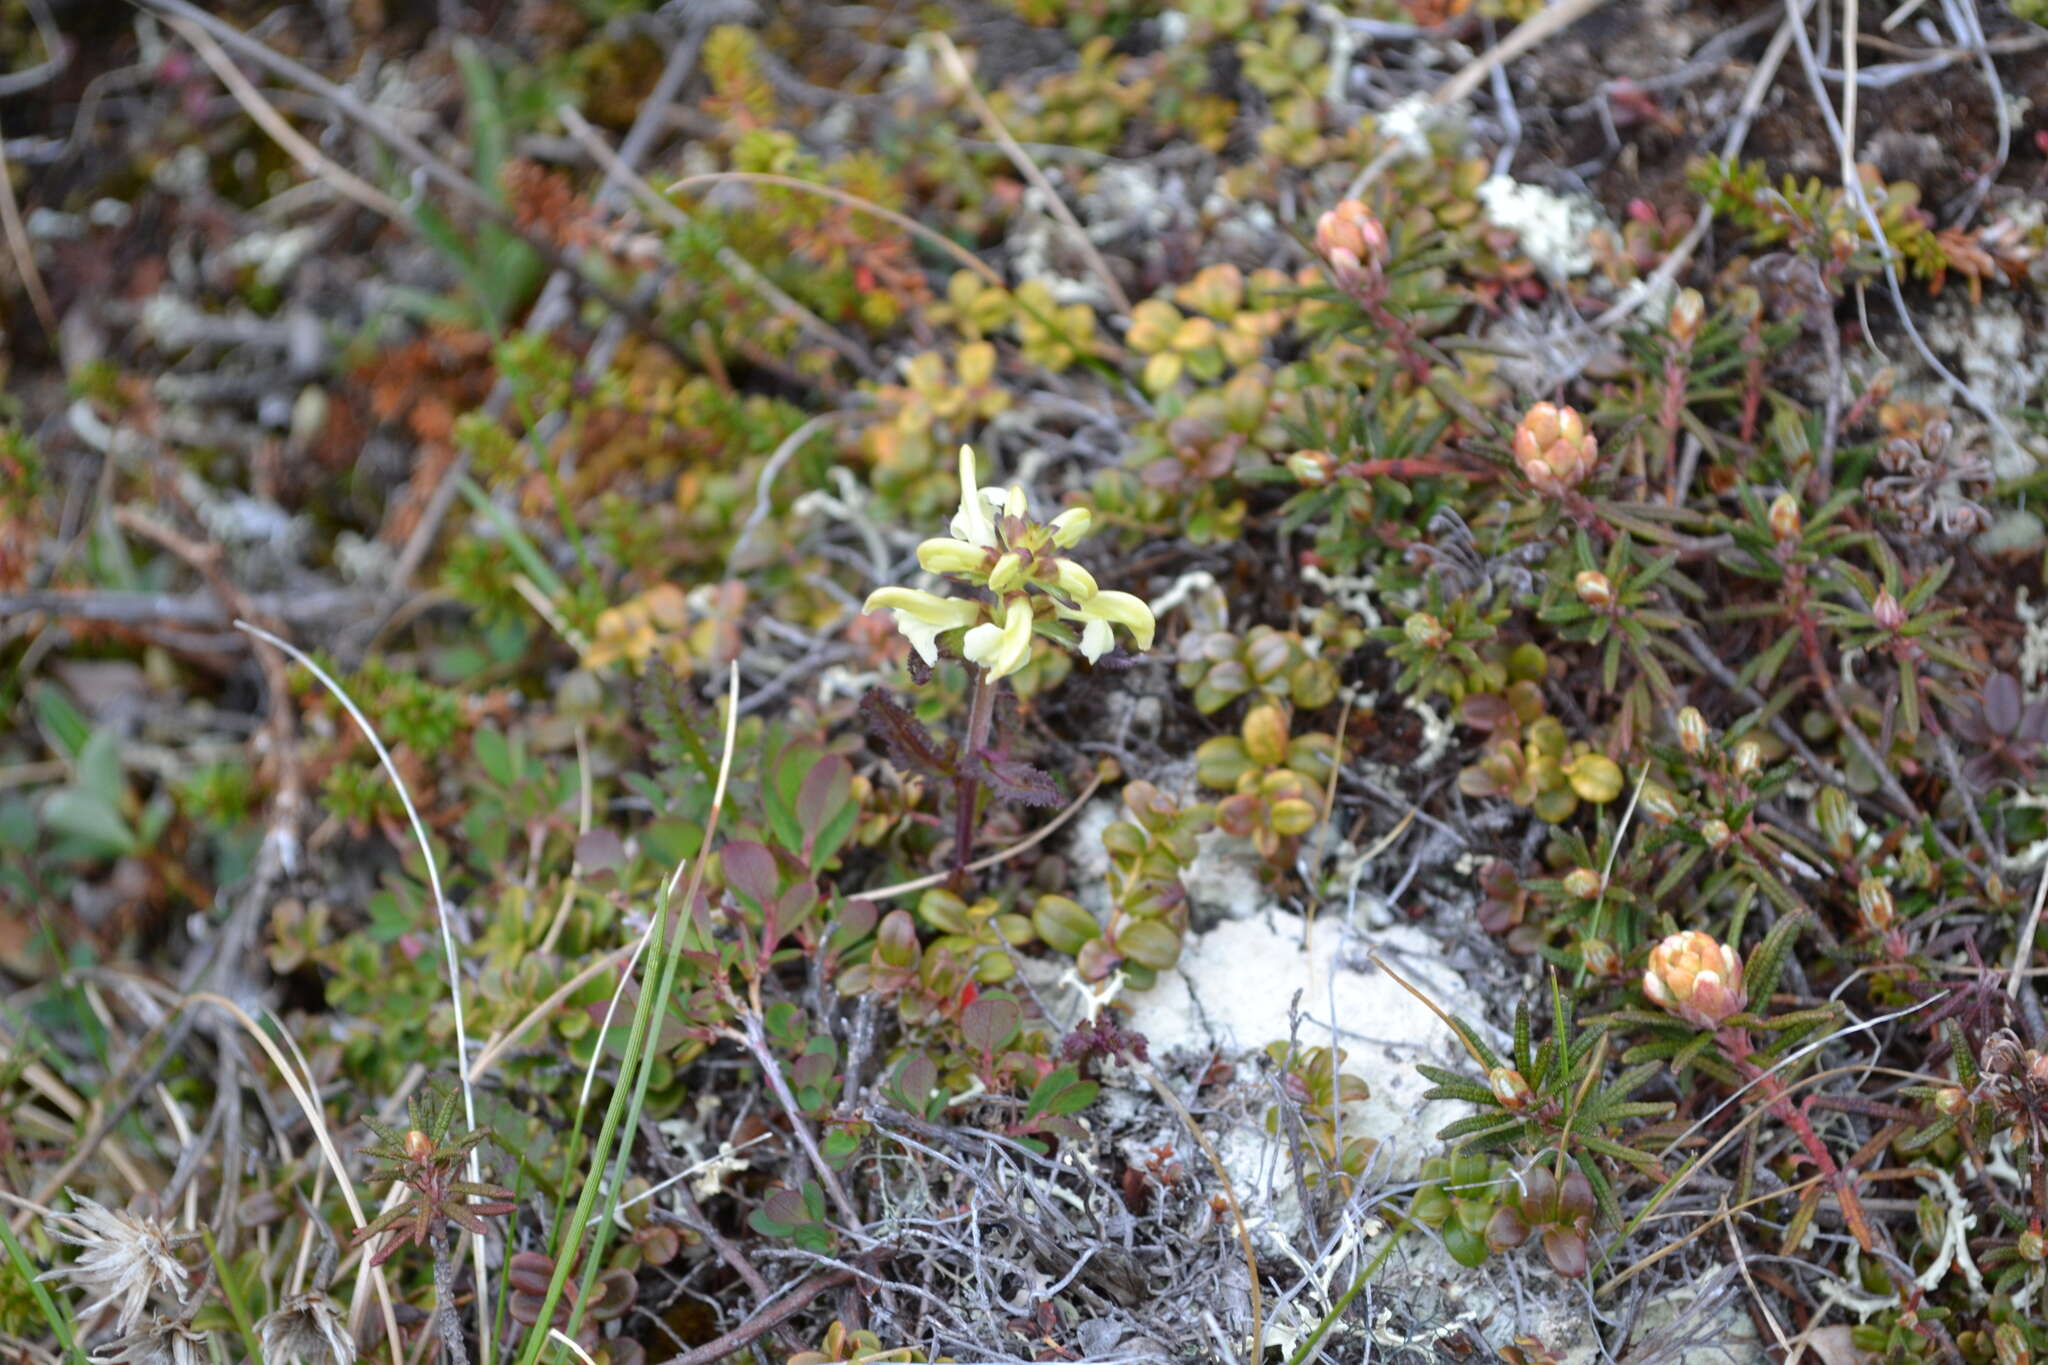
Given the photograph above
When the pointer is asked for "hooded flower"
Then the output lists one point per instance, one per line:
(123, 1259)
(1002, 650)
(921, 616)
(1107, 609)
(997, 547)
(971, 523)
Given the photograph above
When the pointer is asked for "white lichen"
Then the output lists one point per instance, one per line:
(1556, 230)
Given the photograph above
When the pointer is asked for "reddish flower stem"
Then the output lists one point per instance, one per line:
(981, 713)
(1735, 1046)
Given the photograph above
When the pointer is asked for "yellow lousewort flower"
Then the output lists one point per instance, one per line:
(1013, 502)
(971, 523)
(1075, 581)
(921, 616)
(1008, 573)
(1071, 526)
(1106, 609)
(1002, 650)
(940, 555)
(1697, 978)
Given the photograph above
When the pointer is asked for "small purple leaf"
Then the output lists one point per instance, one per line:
(600, 851)
(750, 870)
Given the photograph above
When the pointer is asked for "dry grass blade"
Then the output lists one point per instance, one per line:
(617, 172)
(1554, 19)
(853, 201)
(441, 915)
(345, 182)
(23, 250)
(1021, 159)
(1244, 1232)
(316, 1118)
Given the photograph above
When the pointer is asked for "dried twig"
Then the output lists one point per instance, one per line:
(754, 1328)
(1021, 159)
(23, 250)
(345, 182)
(432, 166)
(1553, 19)
(617, 171)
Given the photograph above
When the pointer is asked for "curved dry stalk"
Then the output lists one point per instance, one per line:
(617, 172)
(345, 182)
(1553, 19)
(419, 831)
(1021, 159)
(852, 201)
(317, 1119)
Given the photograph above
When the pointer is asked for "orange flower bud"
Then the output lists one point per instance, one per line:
(1686, 311)
(1312, 468)
(1425, 631)
(1509, 1087)
(1786, 524)
(1582, 882)
(1692, 732)
(1351, 239)
(1594, 589)
(1697, 978)
(1554, 449)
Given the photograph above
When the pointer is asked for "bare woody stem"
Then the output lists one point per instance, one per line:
(967, 786)
(447, 1320)
(756, 1042)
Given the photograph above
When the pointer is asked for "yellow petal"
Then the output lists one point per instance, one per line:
(1002, 652)
(1121, 608)
(1070, 526)
(922, 616)
(971, 522)
(941, 555)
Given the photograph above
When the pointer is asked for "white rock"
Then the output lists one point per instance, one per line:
(1090, 860)
(1223, 880)
(1233, 987)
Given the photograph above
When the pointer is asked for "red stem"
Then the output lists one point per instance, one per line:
(1735, 1046)
(967, 786)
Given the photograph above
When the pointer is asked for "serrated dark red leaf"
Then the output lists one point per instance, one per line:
(904, 736)
(1012, 780)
